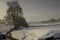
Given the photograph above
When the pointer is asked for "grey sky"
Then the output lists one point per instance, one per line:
(35, 10)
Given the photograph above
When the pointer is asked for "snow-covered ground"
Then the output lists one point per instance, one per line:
(34, 33)
(31, 33)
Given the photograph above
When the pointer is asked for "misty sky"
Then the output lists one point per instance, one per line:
(35, 10)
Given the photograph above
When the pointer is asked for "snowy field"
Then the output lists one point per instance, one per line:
(34, 33)
(31, 33)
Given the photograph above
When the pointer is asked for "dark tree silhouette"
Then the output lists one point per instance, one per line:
(15, 15)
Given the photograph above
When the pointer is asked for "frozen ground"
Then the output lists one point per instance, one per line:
(32, 33)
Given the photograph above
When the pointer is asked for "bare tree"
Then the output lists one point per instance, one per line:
(15, 15)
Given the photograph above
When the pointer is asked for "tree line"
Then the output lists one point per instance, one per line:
(51, 21)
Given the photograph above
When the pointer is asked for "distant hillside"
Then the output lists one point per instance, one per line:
(51, 21)
(47, 21)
